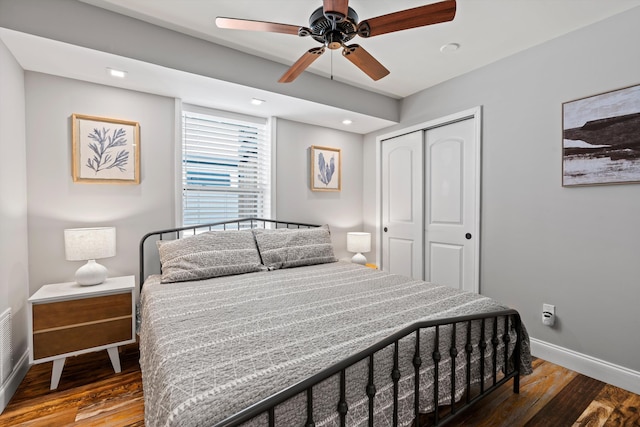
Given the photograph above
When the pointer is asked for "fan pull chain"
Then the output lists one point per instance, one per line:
(331, 65)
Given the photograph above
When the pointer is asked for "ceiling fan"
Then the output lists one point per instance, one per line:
(335, 23)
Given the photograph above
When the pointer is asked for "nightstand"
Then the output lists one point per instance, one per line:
(66, 319)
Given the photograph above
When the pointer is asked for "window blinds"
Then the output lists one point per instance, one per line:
(226, 168)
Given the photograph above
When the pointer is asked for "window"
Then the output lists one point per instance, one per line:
(226, 167)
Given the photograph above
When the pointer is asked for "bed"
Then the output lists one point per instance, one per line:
(254, 322)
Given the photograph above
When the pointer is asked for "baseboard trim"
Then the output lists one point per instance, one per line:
(9, 388)
(610, 373)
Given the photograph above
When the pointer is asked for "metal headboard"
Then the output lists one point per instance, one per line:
(180, 232)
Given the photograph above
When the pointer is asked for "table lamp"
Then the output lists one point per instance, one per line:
(89, 244)
(358, 242)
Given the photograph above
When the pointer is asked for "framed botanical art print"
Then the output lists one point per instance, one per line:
(326, 169)
(601, 139)
(105, 150)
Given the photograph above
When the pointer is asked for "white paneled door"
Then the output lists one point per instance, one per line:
(402, 208)
(450, 205)
(430, 204)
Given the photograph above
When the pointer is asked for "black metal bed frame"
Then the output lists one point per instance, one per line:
(511, 362)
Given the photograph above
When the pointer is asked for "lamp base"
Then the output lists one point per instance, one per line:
(359, 259)
(91, 273)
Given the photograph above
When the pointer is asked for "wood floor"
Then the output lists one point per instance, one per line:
(90, 394)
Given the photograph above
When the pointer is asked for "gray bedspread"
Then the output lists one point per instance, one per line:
(213, 347)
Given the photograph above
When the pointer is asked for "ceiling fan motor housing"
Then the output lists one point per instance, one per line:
(332, 32)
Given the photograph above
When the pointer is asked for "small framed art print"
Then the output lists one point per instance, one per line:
(326, 169)
(105, 150)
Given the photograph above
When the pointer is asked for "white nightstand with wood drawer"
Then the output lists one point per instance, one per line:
(67, 319)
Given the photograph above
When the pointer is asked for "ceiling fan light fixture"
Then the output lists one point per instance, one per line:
(335, 23)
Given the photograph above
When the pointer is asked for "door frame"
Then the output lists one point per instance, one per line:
(472, 113)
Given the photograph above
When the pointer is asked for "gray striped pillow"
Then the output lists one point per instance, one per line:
(210, 254)
(285, 248)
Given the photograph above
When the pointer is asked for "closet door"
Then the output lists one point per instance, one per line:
(451, 205)
(402, 205)
(430, 201)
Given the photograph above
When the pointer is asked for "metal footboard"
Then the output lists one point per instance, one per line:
(510, 319)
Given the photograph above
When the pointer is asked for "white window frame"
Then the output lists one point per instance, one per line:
(270, 132)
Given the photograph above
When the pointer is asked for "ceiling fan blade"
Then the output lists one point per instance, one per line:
(429, 14)
(301, 64)
(249, 25)
(339, 8)
(363, 60)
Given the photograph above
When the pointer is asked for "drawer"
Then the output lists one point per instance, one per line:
(66, 340)
(73, 312)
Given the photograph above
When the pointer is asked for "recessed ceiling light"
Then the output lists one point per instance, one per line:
(256, 101)
(450, 47)
(117, 73)
(347, 122)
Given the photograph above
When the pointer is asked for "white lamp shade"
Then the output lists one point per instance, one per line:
(358, 242)
(81, 244)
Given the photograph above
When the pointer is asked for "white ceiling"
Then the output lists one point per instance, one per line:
(487, 31)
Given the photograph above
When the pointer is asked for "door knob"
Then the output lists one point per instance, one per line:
(468, 236)
(385, 229)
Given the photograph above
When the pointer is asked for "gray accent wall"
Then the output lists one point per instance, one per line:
(294, 199)
(14, 261)
(55, 202)
(576, 248)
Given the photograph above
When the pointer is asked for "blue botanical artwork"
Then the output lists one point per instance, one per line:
(105, 149)
(106, 154)
(325, 169)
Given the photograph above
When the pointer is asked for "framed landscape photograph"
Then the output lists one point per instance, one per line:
(326, 169)
(105, 150)
(601, 139)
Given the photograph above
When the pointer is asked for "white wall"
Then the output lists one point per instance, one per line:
(56, 202)
(577, 248)
(14, 274)
(294, 199)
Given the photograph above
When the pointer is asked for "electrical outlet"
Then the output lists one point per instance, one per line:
(548, 314)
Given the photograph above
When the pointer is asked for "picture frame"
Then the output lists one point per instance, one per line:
(326, 168)
(601, 139)
(105, 150)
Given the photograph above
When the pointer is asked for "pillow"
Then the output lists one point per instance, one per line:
(285, 247)
(210, 254)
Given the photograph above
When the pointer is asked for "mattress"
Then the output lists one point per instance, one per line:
(211, 348)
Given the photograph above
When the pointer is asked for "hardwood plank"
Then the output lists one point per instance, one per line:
(626, 414)
(62, 417)
(595, 415)
(569, 403)
(126, 411)
(504, 408)
(624, 407)
(88, 384)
